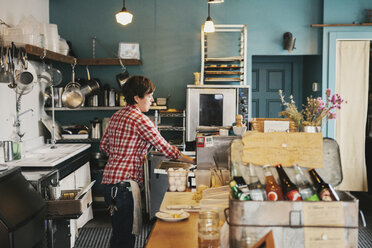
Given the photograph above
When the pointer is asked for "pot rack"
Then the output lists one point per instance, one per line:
(36, 53)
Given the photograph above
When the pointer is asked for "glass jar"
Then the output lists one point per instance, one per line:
(208, 229)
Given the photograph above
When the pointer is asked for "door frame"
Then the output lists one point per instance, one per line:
(329, 79)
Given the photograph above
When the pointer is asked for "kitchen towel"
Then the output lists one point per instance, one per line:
(137, 208)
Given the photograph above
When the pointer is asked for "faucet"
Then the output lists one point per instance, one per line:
(17, 122)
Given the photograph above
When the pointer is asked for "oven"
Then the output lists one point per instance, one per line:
(214, 106)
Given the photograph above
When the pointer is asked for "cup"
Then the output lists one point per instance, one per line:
(208, 229)
(202, 179)
(8, 151)
(54, 192)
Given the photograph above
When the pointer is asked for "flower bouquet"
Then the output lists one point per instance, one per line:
(315, 111)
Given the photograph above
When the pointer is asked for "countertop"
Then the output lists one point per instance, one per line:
(43, 162)
(45, 156)
(175, 234)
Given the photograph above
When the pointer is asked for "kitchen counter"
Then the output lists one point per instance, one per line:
(41, 164)
(175, 234)
(183, 234)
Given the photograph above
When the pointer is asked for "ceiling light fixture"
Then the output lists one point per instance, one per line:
(124, 17)
(209, 25)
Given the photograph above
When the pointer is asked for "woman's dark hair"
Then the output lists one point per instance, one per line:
(136, 86)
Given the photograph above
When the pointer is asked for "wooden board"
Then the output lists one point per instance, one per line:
(305, 149)
(178, 198)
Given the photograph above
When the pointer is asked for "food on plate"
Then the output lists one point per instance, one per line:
(176, 216)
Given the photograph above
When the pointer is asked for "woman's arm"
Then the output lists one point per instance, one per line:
(187, 159)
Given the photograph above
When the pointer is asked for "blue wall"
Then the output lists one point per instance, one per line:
(169, 34)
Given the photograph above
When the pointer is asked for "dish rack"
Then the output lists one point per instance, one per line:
(224, 69)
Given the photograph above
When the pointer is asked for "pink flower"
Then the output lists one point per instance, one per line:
(332, 116)
(334, 99)
(328, 92)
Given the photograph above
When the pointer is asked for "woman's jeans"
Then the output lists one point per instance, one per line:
(122, 218)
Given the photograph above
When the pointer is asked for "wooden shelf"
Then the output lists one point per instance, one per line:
(223, 73)
(49, 55)
(340, 25)
(37, 53)
(222, 80)
(99, 108)
(108, 61)
(225, 59)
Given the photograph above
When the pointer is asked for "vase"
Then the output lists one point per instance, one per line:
(311, 129)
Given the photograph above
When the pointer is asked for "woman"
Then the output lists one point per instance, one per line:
(127, 138)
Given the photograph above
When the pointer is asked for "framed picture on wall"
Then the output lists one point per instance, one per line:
(129, 50)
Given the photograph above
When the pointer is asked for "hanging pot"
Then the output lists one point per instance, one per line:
(122, 77)
(72, 96)
(92, 86)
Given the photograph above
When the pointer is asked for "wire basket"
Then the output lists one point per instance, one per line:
(258, 124)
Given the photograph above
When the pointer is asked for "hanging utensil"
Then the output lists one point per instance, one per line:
(92, 87)
(72, 96)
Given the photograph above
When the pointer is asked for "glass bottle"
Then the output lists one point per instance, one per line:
(273, 190)
(238, 193)
(289, 189)
(306, 190)
(256, 189)
(324, 190)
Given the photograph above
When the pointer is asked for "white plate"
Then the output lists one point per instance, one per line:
(168, 215)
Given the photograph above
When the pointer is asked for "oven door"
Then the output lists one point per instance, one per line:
(209, 107)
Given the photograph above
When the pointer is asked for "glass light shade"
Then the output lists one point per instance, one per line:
(124, 17)
(209, 26)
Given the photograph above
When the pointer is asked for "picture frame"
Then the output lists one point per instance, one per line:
(129, 50)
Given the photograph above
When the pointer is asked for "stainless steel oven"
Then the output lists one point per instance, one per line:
(209, 106)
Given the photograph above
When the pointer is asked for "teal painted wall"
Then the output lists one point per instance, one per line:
(169, 34)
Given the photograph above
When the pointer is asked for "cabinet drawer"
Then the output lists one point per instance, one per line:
(68, 208)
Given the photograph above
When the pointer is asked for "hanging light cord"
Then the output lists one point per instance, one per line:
(209, 10)
(124, 5)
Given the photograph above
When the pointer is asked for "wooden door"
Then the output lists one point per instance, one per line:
(267, 79)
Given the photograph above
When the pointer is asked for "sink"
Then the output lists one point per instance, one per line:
(44, 156)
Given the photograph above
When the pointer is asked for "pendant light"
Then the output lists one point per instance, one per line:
(209, 25)
(124, 17)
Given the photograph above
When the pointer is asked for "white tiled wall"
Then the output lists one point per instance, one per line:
(12, 12)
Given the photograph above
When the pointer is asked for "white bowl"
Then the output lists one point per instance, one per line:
(239, 131)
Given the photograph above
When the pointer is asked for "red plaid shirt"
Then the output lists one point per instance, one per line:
(127, 138)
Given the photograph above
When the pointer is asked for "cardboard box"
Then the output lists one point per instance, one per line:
(68, 208)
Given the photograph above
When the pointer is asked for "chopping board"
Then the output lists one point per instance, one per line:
(177, 198)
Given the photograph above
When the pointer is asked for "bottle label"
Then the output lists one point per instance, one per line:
(272, 196)
(325, 195)
(294, 195)
(312, 198)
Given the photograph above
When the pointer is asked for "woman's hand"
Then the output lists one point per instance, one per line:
(187, 159)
